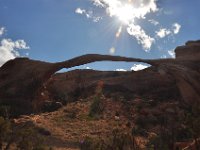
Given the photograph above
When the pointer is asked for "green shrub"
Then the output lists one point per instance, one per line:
(141, 121)
(96, 107)
(157, 143)
(118, 140)
(25, 137)
(87, 144)
(137, 130)
(72, 115)
(28, 138)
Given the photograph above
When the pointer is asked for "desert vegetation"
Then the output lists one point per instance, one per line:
(22, 136)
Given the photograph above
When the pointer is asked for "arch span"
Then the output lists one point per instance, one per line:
(21, 79)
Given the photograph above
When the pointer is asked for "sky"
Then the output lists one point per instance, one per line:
(57, 30)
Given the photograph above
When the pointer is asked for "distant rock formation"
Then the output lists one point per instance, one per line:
(148, 84)
(22, 79)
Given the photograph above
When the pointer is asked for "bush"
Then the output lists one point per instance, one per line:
(87, 144)
(96, 107)
(118, 140)
(157, 143)
(137, 130)
(141, 121)
(25, 137)
(28, 138)
(72, 114)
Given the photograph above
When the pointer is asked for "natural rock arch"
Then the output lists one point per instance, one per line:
(22, 78)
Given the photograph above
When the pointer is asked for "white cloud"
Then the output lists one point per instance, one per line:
(96, 18)
(137, 67)
(141, 36)
(168, 12)
(163, 56)
(138, 9)
(121, 70)
(176, 28)
(98, 3)
(87, 68)
(172, 53)
(8, 49)
(127, 11)
(80, 11)
(154, 22)
(88, 14)
(2, 31)
(163, 32)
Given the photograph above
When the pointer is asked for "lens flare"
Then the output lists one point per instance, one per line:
(112, 50)
(118, 32)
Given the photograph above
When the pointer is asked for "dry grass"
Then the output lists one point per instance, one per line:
(71, 124)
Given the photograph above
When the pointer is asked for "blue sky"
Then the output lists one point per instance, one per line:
(56, 30)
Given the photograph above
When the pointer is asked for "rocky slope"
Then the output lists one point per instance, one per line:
(81, 83)
(70, 125)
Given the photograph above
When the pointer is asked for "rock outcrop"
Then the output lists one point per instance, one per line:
(22, 79)
(148, 84)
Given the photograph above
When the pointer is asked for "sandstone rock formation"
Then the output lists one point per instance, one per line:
(22, 79)
(147, 84)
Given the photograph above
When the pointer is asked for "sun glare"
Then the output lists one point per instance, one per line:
(125, 13)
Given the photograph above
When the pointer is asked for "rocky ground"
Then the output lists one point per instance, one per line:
(71, 124)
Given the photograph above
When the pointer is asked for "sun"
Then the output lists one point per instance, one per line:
(125, 13)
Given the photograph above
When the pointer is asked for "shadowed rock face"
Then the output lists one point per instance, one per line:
(21, 79)
(148, 84)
